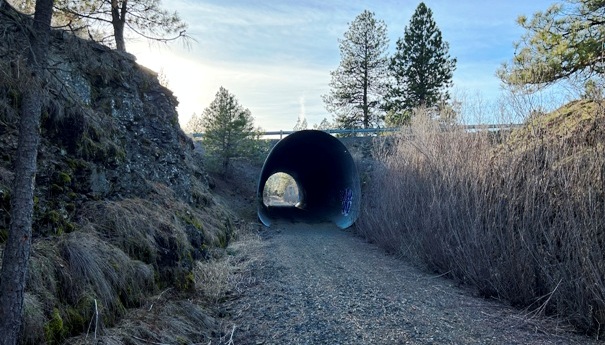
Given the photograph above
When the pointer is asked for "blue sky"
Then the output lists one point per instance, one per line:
(276, 56)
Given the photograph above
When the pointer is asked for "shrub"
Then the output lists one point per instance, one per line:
(522, 219)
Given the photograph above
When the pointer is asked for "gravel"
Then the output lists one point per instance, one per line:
(317, 284)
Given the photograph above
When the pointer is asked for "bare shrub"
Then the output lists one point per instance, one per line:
(520, 217)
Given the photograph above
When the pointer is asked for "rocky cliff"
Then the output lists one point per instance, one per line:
(122, 204)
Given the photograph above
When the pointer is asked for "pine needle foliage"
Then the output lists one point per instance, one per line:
(228, 129)
(421, 68)
(564, 41)
(359, 82)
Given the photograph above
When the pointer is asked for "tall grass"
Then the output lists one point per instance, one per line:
(121, 255)
(521, 217)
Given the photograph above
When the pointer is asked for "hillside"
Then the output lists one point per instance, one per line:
(122, 207)
(578, 123)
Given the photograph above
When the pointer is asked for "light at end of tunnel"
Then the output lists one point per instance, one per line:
(281, 190)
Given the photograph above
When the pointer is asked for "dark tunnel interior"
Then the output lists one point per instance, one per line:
(325, 175)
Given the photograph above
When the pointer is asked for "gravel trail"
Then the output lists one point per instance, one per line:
(317, 284)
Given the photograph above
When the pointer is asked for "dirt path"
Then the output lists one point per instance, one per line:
(317, 284)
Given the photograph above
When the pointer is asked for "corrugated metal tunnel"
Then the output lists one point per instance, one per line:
(324, 175)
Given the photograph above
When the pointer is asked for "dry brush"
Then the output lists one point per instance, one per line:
(520, 216)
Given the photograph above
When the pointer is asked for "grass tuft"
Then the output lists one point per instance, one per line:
(104, 272)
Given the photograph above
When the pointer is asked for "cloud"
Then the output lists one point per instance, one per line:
(275, 56)
(271, 92)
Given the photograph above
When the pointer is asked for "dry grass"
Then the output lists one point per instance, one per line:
(98, 271)
(33, 317)
(113, 269)
(522, 219)
(169, 317)
(227, 275)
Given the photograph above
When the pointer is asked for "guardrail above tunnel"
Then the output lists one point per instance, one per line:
(384, 130)
(325, 176)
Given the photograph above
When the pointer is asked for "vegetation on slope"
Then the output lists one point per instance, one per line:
(123, 211)
(521, 220)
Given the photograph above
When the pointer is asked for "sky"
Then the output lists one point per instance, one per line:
(275, 56)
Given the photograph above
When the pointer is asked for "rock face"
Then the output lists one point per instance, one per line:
(127, 125)
(122, 202)
(109, 130)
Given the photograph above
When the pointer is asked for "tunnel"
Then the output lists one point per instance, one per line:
(324, 174)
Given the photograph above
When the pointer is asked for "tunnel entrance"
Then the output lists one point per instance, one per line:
(323, 179)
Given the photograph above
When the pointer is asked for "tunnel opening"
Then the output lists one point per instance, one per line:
(321, 171)
(281, 190)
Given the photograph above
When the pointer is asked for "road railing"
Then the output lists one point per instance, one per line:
(383, 130)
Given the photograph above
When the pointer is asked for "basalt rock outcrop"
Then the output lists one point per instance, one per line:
(122, 204)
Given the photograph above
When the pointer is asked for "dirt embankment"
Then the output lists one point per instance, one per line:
(316, 284)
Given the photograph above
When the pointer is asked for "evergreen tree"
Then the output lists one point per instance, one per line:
(564, 41)
(421, 68)
(194, 125)
(228, 129)
(358, 84)
(323, 125)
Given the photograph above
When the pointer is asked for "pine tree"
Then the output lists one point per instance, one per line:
(358, 84)
(228, 129)
(194, 125)
(421, 68)
(323, 125)
(565, 41)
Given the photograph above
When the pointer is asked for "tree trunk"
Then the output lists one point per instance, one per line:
(118, 20)
(17, 251)
(366, 108)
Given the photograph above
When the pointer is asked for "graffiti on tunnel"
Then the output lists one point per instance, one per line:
(347, 201)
